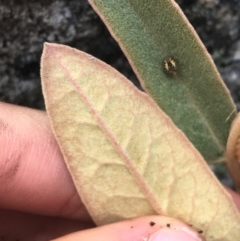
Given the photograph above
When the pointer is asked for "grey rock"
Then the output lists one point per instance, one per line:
(26, 25)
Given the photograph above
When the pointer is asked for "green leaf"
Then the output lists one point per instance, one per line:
(151, 33)
(126, 157)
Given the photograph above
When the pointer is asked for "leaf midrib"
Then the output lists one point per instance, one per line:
(208, 124)
(112, 138)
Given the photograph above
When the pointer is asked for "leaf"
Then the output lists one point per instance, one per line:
(233, 152)
(126, 157)
(151, 33)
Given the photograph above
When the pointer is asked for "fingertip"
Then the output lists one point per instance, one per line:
(151, 228)
(175, 234)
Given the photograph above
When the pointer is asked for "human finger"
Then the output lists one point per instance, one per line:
(151, 228)
(33, 175)
(31, 227)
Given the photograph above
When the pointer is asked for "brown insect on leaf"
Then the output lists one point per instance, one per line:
(170, 66)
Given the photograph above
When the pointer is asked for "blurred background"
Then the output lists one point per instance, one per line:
(26, 24)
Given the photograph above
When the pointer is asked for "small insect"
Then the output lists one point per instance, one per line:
(170, 66)
(168, 225)
(200, 231)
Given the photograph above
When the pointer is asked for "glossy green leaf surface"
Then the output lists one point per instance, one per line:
(153, 32)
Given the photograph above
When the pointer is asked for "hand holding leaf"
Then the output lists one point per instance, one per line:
(121, 149)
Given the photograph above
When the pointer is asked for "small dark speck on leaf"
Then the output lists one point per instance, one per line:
(200, 231)
(152, 223)
(170, 66)
(168, 225)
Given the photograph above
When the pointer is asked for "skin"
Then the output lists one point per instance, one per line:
(38, 200)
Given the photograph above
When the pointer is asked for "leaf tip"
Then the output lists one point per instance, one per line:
(47, 45)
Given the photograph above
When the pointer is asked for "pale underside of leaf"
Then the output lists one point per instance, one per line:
(126, 157)
(195, 98)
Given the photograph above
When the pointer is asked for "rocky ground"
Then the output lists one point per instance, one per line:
(26, 24)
